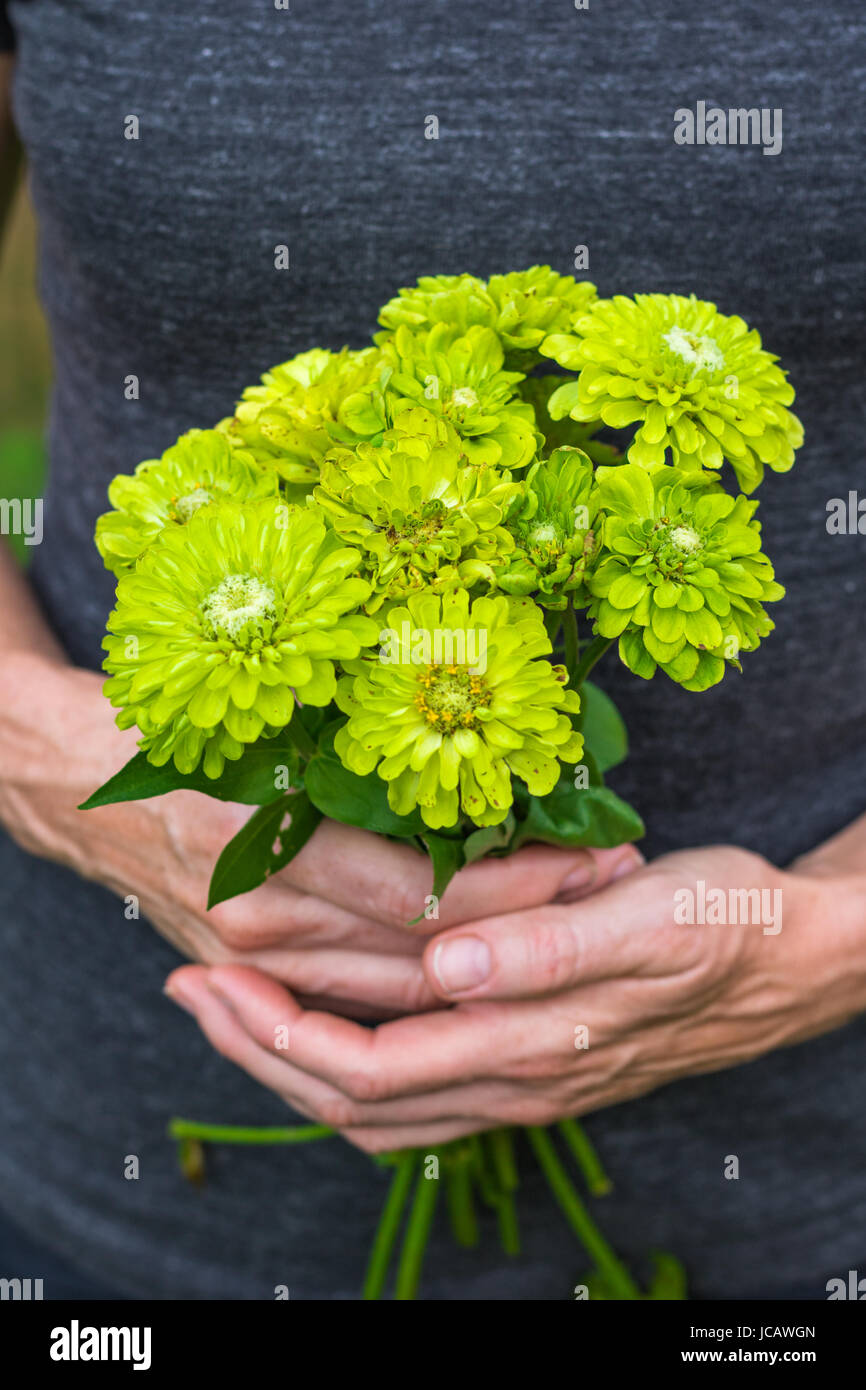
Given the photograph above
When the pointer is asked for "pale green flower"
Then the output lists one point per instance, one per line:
(224, 623)
(420, 516)
(448, 727)
(551, 522)
(680, 579)
(462, 379)
(201, 468)
(521, 308)
(306, 405)
(697, 382)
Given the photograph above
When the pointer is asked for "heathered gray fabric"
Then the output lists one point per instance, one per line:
(261, 127)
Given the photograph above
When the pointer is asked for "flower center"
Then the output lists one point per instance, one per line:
(450, 697)
(239, 602)
(685, 538)
(545, 534)
(700, 352)
(413, 531)
(464, 398)
(186, 506)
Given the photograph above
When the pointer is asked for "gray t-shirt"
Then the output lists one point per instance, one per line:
(259, 127)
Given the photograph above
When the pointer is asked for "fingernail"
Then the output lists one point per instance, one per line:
(582, 876)
(177, 995)
(461, 964)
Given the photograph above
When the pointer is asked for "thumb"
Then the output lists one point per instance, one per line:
(543, 951)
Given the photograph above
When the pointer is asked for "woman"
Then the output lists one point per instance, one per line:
(171, 156)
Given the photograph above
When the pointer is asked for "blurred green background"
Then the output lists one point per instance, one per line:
(25, 362)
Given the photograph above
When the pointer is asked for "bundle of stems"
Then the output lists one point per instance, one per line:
(481, 1168)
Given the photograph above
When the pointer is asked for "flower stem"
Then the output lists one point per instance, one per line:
(509, 1232)
(299, 736)
(417, 1235)
(608, 1263)
(586, 1157)
(502, 1181)
(389, 1225)
(596, 649)
(572, 645)
(239, 1134)
(460, 1204)
(502, 1150)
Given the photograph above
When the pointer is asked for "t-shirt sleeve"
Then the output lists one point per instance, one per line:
(7, 37)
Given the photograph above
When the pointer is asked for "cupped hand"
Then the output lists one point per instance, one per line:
(564, 1008)
(332, 924)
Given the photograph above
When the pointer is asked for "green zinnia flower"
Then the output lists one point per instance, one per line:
(551, 522)
(522, 308)
(698, 381)
(222, 624)
(681, 579)
(460, 300)
(447, 725)
(534, 303)
(304, 406)
(461, 378)
(199, 469)
(418, 514)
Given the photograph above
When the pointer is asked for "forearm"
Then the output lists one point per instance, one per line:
(57, 737)
(843, 854)
(23, 630)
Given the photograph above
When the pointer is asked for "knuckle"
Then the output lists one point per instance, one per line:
(231, 926)
(530, 1069)
(553, 955)
(399, 900)
(338, 1111)
(529, 1110)
(366, 1084)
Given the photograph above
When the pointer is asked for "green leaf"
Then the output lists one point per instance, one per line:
(603, 729)
(488, 839)
(354, 800)
(448, 857)
(592, 817)
(259, 776)
(263, 846)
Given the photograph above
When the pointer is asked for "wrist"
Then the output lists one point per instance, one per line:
(58, 742)
(830, 944)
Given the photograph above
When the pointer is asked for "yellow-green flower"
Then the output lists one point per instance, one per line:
(552, 525)
(522, 307)
(420, 516)
(697, 382)
(462, 379)
(681, 579)
(306, 405)
(533, 303)
(199, 469)
(224, 623)
(459, 701)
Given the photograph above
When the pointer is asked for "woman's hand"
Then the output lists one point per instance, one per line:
(333, 924)
(573, 1007)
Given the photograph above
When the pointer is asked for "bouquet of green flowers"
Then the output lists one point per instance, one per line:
(358, 597)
